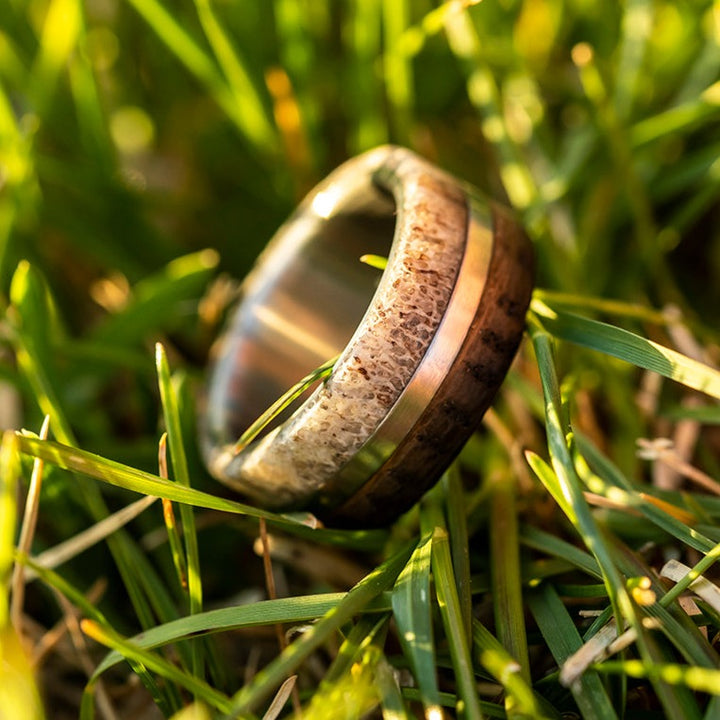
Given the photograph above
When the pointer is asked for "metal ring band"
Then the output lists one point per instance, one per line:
(423, 363)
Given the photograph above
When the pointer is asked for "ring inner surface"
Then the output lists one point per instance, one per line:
(302, 303)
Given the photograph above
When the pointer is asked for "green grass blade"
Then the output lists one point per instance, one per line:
(520, 700)
(675, 702)
(391, 700)
(352, 604)
(297, 609)
(284, 401)
(130, 478)
(141, 657)
(179, 463)
(701, 567)
(448, 700)
(637, 28)
(674, 119)
(453, 623)
(563, 640)
(505, 573)
(58, 40)
(255, 120)
(484, 94)
(568, 490)
(368, 630)
(634, 501)
(366, 104)
(352, 695)
(695, 678)
(413, 616)
(609, 306)
(195, 59)
(459, 541)
(557, 547)
(629, 347)
(35, 324)
(30, 298)
(9, 473)
(398, 70)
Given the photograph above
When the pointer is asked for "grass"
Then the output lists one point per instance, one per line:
(565, 564)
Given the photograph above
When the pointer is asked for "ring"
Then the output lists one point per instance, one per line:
(422, 346)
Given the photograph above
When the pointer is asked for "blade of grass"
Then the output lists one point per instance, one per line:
(368, 630)
(671, 619)
(675, 119)
(563, 640)
(298, 609)
(676, 703)
(413, 616)
(27, 532)
(19, 697)
(695, 678)
(491, 710)
(557, 547)
(393, 706)
(365, 106)
(170, 32)
(701, 586)
(639, 501)
(459, 541)
(9, 473)
(20, 193)
(397, 66)
(618, 308)
(31, 300)
(171, 414)
(58, 39)
(78, 599)
(637, 24)
(93, 126)
(505, 573)
(157, 300)
(484, 94)
(130, 478)
(451, 614)
(284, 401)
(256, 122)
(352, 604)
(629, 347)
(353, 693)
(520, 700)
(164, 668)
(171, 527)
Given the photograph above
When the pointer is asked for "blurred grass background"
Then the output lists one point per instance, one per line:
(136, 134)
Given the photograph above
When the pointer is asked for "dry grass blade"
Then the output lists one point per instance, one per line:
(281, 697)
(701, 586)
(26, 535)
(77, 544)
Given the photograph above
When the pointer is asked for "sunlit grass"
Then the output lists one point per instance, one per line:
(135, 135)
